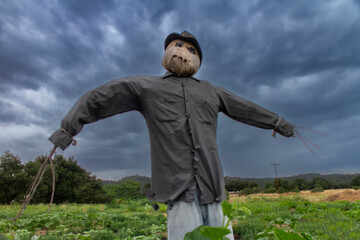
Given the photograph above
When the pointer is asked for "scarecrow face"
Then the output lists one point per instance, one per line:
(181, 58)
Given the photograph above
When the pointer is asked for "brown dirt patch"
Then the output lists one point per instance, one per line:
(327, 195)
(347, 195)
(41, 232)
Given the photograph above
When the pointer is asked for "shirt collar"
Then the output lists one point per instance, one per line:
(169, 74)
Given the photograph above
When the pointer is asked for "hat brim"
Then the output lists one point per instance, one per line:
(193, 41)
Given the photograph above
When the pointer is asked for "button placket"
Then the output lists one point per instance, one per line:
(195, 160)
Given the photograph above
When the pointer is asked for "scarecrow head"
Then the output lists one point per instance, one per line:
(182, 54)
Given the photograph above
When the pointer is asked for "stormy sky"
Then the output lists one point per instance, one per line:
(299, 59)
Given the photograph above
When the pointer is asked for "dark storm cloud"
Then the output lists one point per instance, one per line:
(297, 59)
(70, 42)
(273, 41)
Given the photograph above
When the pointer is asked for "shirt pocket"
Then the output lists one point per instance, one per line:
(206, 112)
(167, 110)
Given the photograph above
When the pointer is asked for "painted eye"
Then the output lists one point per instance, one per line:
(191, 49)
(179, 44)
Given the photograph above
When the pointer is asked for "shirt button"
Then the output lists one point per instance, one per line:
(187, 115)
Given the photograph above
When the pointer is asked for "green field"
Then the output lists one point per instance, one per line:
(136, 219)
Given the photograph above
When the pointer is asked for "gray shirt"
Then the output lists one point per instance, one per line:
(181, 114)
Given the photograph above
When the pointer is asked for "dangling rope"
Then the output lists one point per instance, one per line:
(53, 183)
(37, 179)
(320, 133)
(303, 139)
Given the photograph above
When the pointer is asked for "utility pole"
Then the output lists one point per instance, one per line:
(276, 179)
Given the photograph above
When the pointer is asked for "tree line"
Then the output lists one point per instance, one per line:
(283, 185)
(73, 184)
(76, 185)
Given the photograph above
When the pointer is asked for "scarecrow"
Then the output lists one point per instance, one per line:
(181, 115)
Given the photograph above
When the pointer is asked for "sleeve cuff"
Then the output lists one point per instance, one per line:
(61, 139)
(284, 128)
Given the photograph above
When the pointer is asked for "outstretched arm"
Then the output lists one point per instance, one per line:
(250, 113)
(115, 97)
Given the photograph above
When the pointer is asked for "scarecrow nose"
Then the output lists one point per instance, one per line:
(177, 56)
(183, 59)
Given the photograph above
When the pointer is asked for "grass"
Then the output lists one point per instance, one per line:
(322, 220)
(122, 220)
(136, 219)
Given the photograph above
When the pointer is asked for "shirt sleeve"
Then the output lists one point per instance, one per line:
(115, 97)
(250, 113)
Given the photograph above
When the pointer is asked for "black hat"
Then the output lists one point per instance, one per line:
(187, 37)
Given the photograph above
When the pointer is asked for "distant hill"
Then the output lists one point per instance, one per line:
(137, 178)
(332, 178)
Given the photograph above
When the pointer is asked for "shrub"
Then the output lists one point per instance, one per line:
(284, 186)
(300, 183)
(236, 185)
(320, 182)
(248, 191)
(317, 189)
(355, 181)
(270, 190)
(130, 189)
(283, 190)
